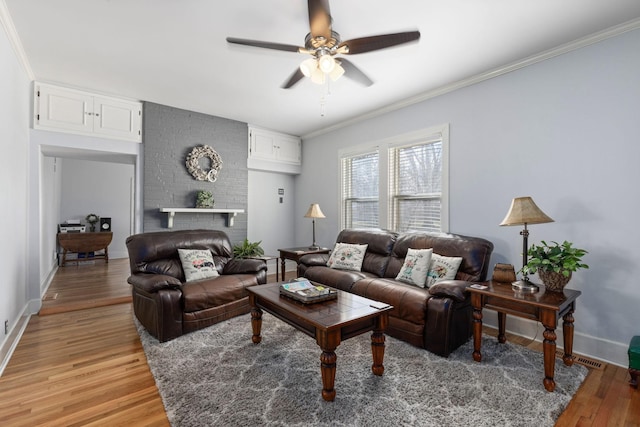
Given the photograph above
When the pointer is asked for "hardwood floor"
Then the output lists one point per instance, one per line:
(86, 366)
(70, 290)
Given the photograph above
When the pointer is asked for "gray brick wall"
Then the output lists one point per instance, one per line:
(169, 136)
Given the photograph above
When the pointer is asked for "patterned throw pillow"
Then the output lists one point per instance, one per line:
(197, 264)
(416, 266)
(346, 256)
(442, 268)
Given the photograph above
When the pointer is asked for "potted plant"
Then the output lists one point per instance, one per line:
(92, 219)
(554, 263)
(248, 249)
(204, 199)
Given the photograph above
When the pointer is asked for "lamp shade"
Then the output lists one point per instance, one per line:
(314, 211)
(524, 211)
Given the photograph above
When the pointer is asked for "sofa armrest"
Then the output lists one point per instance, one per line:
(455, 289)
(244, 266)
(152, 283)
(311, 260)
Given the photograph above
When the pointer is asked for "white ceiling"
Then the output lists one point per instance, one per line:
(174, 52)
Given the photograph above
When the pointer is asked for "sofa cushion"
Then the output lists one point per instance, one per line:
(170, 267)
(380, 244)
(197, 264)
(203, 294)
(409, 302)
(416, 266)
(442, 268)
(347, 256)
(339, 279)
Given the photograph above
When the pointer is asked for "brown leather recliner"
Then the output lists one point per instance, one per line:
(165, 304)
(438, 318)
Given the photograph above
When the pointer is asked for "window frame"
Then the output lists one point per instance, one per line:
(383, 147)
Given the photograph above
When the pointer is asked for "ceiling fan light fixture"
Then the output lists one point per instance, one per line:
(318, 77)
(326, 63)
(337, 72)
(308, 66)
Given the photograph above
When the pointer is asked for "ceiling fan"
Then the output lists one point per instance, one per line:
(323, 44)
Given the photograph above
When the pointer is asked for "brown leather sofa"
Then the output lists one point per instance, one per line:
(165, 304)
(438, 318)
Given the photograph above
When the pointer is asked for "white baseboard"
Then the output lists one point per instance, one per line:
(13, 338)
(583, 344)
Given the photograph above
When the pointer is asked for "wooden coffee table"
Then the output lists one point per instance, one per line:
(329, 322)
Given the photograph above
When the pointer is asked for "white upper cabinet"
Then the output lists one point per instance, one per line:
(69, 110)
(273, 151)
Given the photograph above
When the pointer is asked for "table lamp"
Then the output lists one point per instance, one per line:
(524, 211)
(314, 212)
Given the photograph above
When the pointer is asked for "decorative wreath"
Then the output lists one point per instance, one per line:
(193, 163)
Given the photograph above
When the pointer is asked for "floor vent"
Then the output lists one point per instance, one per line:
(583, 360)
(50, 297)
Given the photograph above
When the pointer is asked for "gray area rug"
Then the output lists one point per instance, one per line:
(218, 377)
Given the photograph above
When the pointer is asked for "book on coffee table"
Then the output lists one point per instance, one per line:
(304, 291)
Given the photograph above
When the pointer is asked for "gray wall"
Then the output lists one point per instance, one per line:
(169, 136)
(564, 131)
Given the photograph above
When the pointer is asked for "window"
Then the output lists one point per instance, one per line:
(360, 205)
(400, 183)
(415, 186)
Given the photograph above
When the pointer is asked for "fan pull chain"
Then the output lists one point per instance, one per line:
(326, 91)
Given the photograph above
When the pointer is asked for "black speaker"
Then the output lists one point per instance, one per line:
(105, 224)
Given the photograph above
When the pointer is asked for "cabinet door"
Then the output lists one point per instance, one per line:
(288, 149)
(63, 109)
(118, 119)
(262, 145)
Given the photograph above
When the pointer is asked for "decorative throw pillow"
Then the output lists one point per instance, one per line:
(442, 268)
(346, 256)
(416, 266)
(197, 264)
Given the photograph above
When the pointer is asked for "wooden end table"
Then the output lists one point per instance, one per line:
(266, 259)
(84, 243)
(542, 306)
(296, 253)
(329, 322)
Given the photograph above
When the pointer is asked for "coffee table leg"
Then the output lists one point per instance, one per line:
(377, 344)
(256, 324)
(328, 368)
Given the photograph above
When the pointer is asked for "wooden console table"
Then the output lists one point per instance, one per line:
(84, 243)
(544, 307)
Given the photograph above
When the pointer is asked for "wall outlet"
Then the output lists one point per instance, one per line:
(6, 327)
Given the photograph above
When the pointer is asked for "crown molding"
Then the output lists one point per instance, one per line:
(14, 40)
(634, 24)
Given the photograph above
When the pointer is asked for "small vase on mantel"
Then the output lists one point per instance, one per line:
(553, 281)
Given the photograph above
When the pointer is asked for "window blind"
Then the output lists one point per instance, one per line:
(415, 185)
(360, 178)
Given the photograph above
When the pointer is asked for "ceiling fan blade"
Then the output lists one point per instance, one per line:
(319, 18)
(354, 73)
(295, 78)
(265, 45)
(368, 44)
